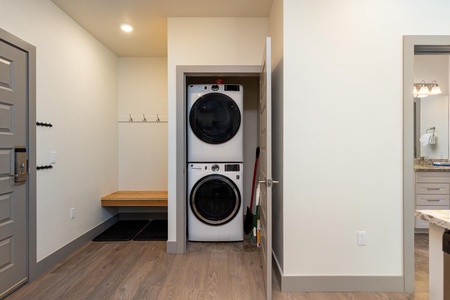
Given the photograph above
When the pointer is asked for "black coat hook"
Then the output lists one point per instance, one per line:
(44, 124)
(44, 167)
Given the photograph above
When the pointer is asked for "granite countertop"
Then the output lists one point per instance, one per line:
(440, 218)
(426, 165)
(430, 168)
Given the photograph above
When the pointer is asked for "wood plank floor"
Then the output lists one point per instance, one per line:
(143, 270)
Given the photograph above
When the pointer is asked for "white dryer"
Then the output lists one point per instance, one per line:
(215, 211)
(215, 123)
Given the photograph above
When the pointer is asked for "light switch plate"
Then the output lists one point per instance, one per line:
(72, 213)
(361, 238)
(53, 157)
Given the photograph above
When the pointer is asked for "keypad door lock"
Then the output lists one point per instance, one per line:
(21, 165)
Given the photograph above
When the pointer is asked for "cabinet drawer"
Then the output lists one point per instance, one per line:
(432, 188)
(433, 200)
(433, 177)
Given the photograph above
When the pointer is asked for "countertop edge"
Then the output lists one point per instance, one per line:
(439, 218)
(431, 169)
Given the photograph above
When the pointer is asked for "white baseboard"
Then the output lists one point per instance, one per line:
(289, 283)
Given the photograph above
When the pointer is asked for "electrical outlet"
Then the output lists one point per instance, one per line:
(361, 238)
(53, 157)
(72, 213)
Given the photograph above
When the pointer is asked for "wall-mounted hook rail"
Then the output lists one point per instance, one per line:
(44, 167)
(144, 119)
(44, 124)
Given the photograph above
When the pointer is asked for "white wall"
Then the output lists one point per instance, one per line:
(218, 41)
(143, 146)
(276, 31)
(434, 113)
(432, 67)
(343, 150)
(77, 93)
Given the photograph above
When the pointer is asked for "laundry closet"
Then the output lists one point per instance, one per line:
(221, 140)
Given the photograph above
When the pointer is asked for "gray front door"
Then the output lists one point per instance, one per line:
(13, 141)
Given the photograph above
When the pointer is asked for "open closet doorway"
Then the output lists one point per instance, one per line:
(412, 131)
(192, 74)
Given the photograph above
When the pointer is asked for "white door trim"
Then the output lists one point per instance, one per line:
(408, 150)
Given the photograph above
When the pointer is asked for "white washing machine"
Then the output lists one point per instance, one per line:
(215, 211)
(215, 123)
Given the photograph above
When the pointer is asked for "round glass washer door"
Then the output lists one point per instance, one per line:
(215, 200)
(215, 118)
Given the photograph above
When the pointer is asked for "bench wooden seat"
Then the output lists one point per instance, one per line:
(135, 198)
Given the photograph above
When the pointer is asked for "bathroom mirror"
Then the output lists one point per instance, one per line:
(431, 116)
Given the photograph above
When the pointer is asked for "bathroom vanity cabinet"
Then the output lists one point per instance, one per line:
(432, 193)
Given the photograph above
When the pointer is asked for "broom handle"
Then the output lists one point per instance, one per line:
(254, 178)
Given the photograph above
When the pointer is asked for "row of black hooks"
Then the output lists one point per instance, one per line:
(44, 124)
(44, 167)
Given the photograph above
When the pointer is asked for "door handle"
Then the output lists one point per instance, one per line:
(270, 182)
(21, 165)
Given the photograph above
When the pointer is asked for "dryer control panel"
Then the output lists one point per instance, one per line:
(232, 167)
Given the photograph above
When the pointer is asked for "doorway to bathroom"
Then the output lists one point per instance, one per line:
(413, 47)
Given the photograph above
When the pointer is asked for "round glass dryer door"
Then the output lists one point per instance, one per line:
(215, 200)
(215, 118)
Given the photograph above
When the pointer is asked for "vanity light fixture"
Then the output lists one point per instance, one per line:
(424, 89)
(435, 89)
(126, 27)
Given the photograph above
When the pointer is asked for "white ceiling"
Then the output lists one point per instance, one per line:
(102, 18)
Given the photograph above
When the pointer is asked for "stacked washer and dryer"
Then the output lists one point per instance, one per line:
(215, 162)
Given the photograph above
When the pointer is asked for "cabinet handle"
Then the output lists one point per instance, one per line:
(433, 200)
(433, 189)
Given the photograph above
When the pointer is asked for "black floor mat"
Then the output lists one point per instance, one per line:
(124, 230)
(155, 231)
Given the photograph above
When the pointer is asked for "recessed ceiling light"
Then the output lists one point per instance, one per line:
(126, 27)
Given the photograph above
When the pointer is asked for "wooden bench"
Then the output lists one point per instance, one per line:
(135, 198)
